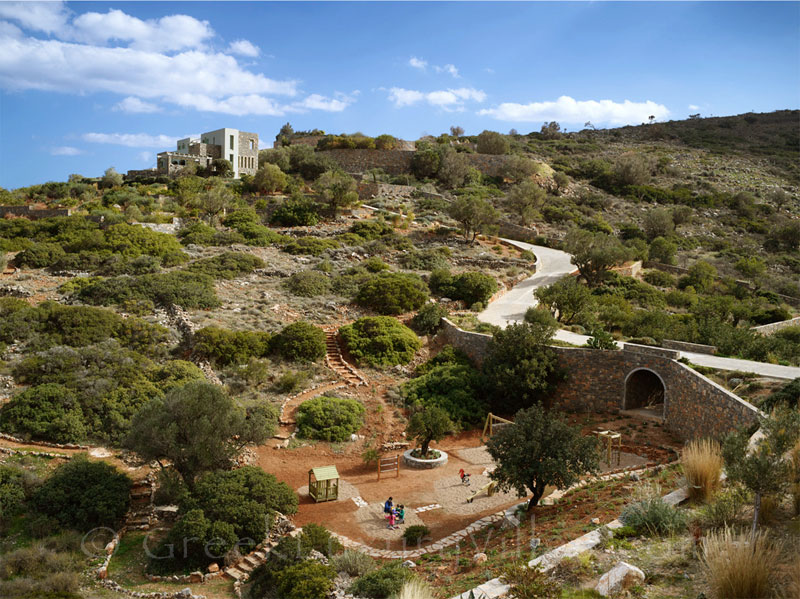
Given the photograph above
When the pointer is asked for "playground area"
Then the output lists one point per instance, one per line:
(434, 497)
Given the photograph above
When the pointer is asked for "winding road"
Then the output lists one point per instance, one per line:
(552, 265)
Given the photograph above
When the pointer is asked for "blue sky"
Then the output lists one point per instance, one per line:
(85, 86)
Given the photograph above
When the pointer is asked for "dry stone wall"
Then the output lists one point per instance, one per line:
(32, 212)
(694, 406)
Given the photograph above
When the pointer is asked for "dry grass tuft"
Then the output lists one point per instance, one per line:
(702, 465)
(794, 579)
(415, 589)
(738, 567)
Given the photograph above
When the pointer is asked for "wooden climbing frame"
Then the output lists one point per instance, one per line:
(613, 443)
(492, 422)
(389, 464)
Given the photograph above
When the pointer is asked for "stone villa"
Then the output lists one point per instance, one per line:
(240, 148)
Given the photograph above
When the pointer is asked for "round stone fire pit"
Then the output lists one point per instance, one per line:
(419, 463)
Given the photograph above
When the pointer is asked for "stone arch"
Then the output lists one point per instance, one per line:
(645, 389)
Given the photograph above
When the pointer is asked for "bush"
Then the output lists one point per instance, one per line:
(83, 495)
(354, 563)
(40, 255)
(380, 341)
(529, 583)
(381, 583)
(414, 534)
(329, 418)
(659, 278)
(229, 265)
(296, 212)
(186, 289)
(259, 235)
(738, 565)
(306, 580)
(392, 293)
(429, 318)
(430, 259)
(415, 589)
(12, 492)
(47, 412)
(653, 517)
(315, 537)
(470, 287)
(312, 246)
(369, 230)
(300, 341)
(230, 347)
(702, 466)
(454, 387)
(722, 510)
(308, 283)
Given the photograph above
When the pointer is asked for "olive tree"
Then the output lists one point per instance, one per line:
(492, 142)
(338, 189)
(431, 424)
(594, 254)
(473, 213)
(524, 201)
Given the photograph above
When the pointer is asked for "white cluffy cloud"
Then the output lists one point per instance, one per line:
(694, 107)
(131, 140)
(447, 99)
(65, 151)
(136, 106)
(244, 48)
(569, 110)
(153, 62)
(422, 65)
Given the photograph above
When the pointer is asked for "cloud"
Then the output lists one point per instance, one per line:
(693, 107)
(446, 99)
(418, 63)
(48, 17)
(244, 48)
(131, 140)
(65, 151)
(448, 68)
(569, 110)
(173, 32)
(147, 157)
(157, 61)
(136, 106)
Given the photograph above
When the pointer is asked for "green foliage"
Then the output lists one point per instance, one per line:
(415, 533)
(380, 341)
(392, 293)
(305, 580)
(529, 583)
(338, 189)
(230, 347)
(12, 492)
(539, 316)
(312, 246)
(229, 265)
(594, 254)
(315, 537)
(296, 212)
(300, 341)
(269, 178)
(198, 428)
(470, 287)
(40, 255)
(429, 318)
(308, 283)
(429, 259)
(567, 298)
(659, 278)
(562, 453)
(601, 339)
(473, 213)
(353, 562)
(186, 289)
(524, 201)
(431, 424)
(454, 386)
(45, 412)
(787, 395)
(83, 495)
(199, 233)
(329, 418)
(492, 142)
(700, 277)
(653, 517)
(381, 583)
(662, 250)
(370, 230)
(519, 368)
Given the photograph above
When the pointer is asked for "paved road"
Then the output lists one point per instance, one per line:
(554, 264)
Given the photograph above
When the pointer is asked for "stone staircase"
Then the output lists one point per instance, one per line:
(336, 362)
(241, 571)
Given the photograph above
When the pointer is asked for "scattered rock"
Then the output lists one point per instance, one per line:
(409, 564)
(620, 577)
(479, 558)
(596, 521)
(213, 567)
(196, 577)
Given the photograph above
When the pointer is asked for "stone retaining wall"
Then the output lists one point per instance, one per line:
(768, 329)
(697, 348)
(32, 212)
(694, 406)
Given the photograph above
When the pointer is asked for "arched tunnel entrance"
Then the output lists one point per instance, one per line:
(644, 390)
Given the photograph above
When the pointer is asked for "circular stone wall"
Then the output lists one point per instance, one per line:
(418, 463)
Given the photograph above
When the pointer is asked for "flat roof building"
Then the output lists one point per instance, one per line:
(240, 148)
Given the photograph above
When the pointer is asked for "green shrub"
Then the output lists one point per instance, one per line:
(308, 283)
(381, 583)
(186, 289)
(228, 265)
(12, 492)
(380, 341)
(722, 510)
(230, 347)
(369, 230)
(653, 517)
(46, 412)
(454, 387)
(300, 341)
(430, 259)
(40, 255)
(291, 381)
(197, 233)
(315, 537)
(470, 287)
(259, 235)
(374, 264)
(306, 580)
(312, 246)
(296, 212)
(329, 418)
(241, 216)
(354, 563)
(392, 293)
(659, 278)
(429, 318)
(83, 495)
(414, 534)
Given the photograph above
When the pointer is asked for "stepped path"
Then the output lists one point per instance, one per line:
(348, 376)
(551, 265)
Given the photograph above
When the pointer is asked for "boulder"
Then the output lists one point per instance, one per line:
(213, 567)
(620, 577)
(196, 577)
(479, 558)
(596, 521)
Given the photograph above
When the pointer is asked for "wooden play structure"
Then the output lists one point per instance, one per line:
(613, 443)
(323, 483)
(493, 422)
(389, 464)
(489, 489)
